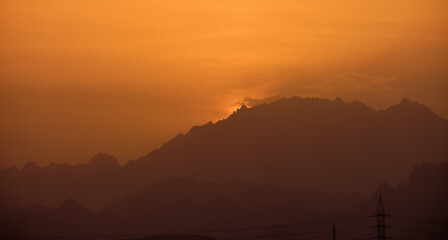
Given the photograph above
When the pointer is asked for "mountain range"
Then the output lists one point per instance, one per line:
(308, 143)
(188, 206)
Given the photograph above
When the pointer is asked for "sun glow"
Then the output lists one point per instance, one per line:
(118, 72)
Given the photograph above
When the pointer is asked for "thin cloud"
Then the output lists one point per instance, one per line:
(248, 101)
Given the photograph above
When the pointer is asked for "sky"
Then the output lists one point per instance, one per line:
(123, 77)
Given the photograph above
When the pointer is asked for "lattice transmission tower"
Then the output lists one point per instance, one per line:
(381, 220)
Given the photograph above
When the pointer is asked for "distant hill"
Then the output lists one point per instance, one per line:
(310, 143)
(93, 183)
(426, 194)
(68, 219)
(420, 205)
(181, 207)
(192, 196)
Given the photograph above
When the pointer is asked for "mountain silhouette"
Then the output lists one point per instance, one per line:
(421, 204)
(31, 167)
(71, 218)
(93, 183)
(310, 143)
(189, 195)
(72, 207)
(180, 206)
(426, 193)
(306, 142)
(103, 161)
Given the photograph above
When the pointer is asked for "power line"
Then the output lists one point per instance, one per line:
(204, 231)
(422, 231)
(75, 236)
(352, 233)
(419, 220)
(274, 226)
(406, 238)
(281, 235)
(348, 232)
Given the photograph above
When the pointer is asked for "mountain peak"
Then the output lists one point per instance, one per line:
(411, 108)
(405, 101)
(103, 160)
(30, 166)
(408, 102)
(243, 108)
(339, 100)
(72, 207)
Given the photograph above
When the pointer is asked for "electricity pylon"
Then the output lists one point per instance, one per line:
(381, 220)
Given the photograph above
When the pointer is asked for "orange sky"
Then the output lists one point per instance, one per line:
(122, 77)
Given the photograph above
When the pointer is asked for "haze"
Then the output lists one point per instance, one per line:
(123, 77)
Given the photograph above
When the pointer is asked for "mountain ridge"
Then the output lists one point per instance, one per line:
(287, 142)
(188, 205)
(362, 113)
(404, 103)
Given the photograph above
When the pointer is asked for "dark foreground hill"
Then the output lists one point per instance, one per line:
(310, 143)
(184, 207)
